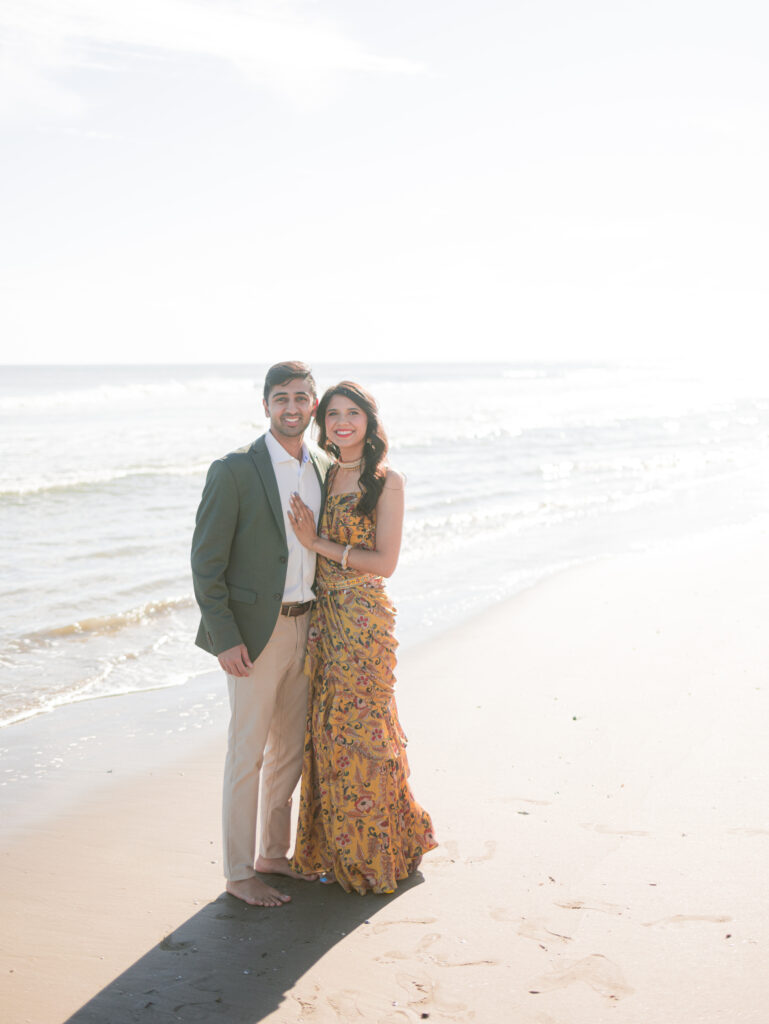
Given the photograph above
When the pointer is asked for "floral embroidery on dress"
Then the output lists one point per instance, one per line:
(358, 818)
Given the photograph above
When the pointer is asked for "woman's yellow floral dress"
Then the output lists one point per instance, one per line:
(358, 819)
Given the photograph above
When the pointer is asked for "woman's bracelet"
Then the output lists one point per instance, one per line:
(345, 556)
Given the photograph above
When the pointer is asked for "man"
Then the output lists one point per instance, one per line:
(253, 581)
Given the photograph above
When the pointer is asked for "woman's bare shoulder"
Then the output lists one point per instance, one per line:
(394, 481)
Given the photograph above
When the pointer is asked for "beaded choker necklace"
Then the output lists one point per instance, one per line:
(351, 465)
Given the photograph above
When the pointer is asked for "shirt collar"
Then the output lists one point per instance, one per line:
(279, 454)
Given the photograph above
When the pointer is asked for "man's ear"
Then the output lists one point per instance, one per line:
(315, 408)
(266, 410)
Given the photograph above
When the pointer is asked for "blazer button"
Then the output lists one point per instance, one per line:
(283, 558)
(277, 596)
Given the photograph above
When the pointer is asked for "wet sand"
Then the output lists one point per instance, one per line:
(593, 756)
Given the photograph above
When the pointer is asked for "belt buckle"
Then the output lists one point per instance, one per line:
(295, 608)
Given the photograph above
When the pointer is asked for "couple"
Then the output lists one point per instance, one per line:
(268, 513)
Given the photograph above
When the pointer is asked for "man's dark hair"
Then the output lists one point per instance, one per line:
(282, 373)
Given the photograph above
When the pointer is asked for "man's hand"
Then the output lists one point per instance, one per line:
(236, 661)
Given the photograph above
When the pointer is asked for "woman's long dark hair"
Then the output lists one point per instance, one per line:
(373, 471)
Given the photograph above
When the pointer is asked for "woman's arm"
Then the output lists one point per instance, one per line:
(389, 530)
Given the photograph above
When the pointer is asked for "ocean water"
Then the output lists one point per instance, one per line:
(514, 472)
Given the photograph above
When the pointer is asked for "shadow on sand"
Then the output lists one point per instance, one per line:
(234, 963)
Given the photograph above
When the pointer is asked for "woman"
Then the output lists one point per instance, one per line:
(358, 821)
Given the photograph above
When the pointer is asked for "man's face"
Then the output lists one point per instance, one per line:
(290, 407)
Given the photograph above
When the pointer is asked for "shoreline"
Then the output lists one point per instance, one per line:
(431, 633)
(592, 753)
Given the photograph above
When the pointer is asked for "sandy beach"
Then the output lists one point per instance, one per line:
(593, 754)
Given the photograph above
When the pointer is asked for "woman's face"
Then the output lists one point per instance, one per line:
(345, 425)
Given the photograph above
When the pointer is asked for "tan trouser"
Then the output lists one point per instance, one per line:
(268, 708)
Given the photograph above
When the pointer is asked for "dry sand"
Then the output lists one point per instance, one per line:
(593, 754)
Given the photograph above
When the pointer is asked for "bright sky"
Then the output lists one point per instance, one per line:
(214, 180)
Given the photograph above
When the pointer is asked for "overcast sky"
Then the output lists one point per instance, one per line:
(245, 181)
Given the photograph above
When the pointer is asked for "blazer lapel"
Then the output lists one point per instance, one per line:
(318, 467)
(263, 463)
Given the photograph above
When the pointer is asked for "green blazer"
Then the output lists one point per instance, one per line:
(239, 550)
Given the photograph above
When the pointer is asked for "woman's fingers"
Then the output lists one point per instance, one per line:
(302, 521)
(300, 514)
(298, 505)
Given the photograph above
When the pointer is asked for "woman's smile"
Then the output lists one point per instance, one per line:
(346, 426)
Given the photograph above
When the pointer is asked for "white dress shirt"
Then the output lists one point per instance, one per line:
(296, 475)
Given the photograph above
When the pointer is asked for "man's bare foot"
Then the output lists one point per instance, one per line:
(280, 866)
(257, 893)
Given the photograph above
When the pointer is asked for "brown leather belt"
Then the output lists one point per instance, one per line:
(296, 608)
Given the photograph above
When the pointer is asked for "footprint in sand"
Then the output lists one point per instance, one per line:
(450, 853)
(602, 908)
(383, 925)
(530, 928)
(490, 847)
(596, 970)
(682, 918)
(422, 992)
(421, 953)
(345, 1005)
(503, 914)
(418, 989)
(422, 946)
(604, 830)
(308, 1001)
